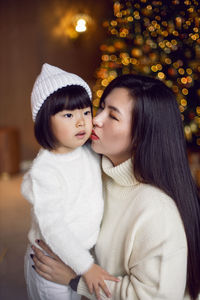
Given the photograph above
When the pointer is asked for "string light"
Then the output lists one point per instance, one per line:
(161, 75)
(99, 93)
(183, 102)
(184, 80)
(185, 91)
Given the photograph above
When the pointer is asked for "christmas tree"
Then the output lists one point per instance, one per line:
(160, 39)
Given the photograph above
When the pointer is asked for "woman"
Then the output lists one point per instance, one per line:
(150, 234)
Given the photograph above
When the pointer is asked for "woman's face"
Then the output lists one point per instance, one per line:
(112, 126)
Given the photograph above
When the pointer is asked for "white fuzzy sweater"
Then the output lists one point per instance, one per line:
(142, 240)
(65, 191)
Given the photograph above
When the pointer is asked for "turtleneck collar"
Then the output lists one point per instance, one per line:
(121, 174)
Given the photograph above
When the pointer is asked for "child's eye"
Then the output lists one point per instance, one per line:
(68, 115)
(88, 112)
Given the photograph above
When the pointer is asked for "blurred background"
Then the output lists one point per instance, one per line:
(98, 41)
(34, 32)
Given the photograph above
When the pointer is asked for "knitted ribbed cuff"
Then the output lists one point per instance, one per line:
(74, 283)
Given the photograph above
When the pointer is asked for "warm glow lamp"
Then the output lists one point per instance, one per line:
(81, 25)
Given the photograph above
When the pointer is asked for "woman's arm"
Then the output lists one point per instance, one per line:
(156, 262)
(143, 283)
(51, 267)
(54, 269)
(138, 285)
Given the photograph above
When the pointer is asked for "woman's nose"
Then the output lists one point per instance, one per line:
(98, 120)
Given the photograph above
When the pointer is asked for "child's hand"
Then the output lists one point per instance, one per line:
(94, 279)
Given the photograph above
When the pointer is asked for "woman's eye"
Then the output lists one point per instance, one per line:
(68, 115)
(113, 117)
(88, 112)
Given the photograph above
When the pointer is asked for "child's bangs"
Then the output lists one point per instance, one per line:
(70, 98)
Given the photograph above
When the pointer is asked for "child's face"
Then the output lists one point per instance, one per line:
(71, 128)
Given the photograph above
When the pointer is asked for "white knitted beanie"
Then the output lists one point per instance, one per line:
(50, 80)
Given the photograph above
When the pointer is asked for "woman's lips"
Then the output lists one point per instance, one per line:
(93, 136)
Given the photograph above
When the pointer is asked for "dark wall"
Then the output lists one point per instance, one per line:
(27, 30)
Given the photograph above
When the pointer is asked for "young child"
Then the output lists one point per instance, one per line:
(64, 182)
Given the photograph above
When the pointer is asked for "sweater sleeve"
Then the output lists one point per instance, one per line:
(43, 189)
(134, 287)
(156, 267)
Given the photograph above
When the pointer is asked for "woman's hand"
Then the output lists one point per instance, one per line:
(51, 268)
(94, 279)
(54, 269)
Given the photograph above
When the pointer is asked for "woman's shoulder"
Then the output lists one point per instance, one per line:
(156, 202)
(159, 215)
(154, 195)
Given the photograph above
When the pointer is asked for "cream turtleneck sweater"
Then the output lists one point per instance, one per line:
(142, 240)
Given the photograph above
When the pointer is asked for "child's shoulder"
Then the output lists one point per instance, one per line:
(41, 157)
(42, 162)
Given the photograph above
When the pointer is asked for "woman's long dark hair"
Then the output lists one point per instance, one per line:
(160, 157)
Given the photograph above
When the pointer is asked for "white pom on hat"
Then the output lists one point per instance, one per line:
(50, 80)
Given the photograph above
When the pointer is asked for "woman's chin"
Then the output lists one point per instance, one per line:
(96, 148)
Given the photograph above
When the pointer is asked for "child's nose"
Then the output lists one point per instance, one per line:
(80, 121)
